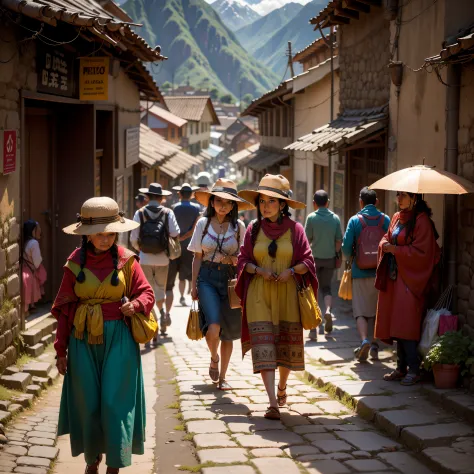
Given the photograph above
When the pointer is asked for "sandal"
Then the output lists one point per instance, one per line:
(214, 371)
(282, 398)
(272, 413)
(94, 468)
(223, 385)
(394, 376)
(410, 379)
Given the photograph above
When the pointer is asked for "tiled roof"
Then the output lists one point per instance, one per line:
(311, 48)
(263, 159)
(240, 155)
(91, 18)
(155, 150)
(165, 115)
(191, 107)
(282, 89)
(460, 48)
(347, 129)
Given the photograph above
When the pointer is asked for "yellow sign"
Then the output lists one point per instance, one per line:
(94, 79)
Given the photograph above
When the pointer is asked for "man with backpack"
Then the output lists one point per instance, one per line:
(157, 224)
(361, 241)
(323, 229)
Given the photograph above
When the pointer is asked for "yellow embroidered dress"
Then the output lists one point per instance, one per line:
(272, 310)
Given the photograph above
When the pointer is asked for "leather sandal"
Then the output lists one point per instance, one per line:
(394, 376)
(94, 468)
(223, 385)
(282, 398)
(214, 371)
(272, 413)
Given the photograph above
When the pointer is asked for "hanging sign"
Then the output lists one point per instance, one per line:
(9, 151)
(94, 79)
(55, 70)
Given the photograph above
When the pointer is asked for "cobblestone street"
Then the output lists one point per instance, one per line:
(392, 428)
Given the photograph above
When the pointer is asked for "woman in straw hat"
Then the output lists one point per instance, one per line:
(103, 403)
(275, 250)
(216, 242)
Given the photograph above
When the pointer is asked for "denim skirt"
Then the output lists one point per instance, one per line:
(214, 305)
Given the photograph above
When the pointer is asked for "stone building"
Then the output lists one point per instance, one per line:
(69, 129)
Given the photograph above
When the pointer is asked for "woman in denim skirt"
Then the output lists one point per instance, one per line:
(216, 245)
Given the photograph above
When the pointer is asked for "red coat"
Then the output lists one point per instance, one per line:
(402, 303)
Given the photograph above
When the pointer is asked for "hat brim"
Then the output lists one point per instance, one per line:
(84, 229)
(242, 205)
(251, 196)
(163, 192)
(179, 188)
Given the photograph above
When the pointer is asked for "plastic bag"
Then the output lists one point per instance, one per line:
(429, 330)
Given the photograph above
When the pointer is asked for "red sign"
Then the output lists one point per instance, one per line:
(9, 151)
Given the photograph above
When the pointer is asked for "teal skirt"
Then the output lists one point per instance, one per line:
(103, 399)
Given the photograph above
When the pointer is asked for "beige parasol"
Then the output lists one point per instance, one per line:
(422, 179)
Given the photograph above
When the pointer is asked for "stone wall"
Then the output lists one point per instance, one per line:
(364, 53)
(16, 73)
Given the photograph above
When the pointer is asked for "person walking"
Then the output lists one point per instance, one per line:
(33, 272)
(361, 240)
(103, 399)
(275, 253)
(187, 214)
(156, 225)
(140, 201)
(323, 229)
(203, 181)
(408, 254)
(216, 242)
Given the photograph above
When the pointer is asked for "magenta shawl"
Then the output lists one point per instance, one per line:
(301, 254)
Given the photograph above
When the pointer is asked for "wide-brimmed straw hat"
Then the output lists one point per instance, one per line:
(186, 188)
(100, 215)
(276, 186)
(155, 189)
(226, 189)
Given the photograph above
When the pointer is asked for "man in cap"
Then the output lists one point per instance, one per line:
(157, 224)
(140, 201)
(187, 214)
(204, 183)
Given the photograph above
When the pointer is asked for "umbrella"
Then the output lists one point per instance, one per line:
(422, 179)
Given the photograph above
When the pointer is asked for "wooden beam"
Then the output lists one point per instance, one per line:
(357, 5)
(347, 13)
(338, 20)
(372, 3)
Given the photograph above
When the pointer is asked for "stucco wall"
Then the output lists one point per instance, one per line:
(364, 53)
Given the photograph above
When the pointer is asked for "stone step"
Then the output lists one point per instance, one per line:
(41, 330)
(40, 369)
(35, 350)
(457, 401)
(17, 381)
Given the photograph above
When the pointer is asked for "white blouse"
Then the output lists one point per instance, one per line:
(32, 253)
(208, 245)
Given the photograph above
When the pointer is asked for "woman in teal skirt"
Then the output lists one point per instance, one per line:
(103, 400)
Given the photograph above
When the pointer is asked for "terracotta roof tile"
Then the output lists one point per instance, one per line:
(190, 107)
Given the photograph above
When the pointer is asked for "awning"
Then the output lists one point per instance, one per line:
(347, 129)
(240, 155)
(155, 150)
(213, 150)
(263, 159)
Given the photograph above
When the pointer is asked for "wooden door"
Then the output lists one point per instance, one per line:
(39, 186)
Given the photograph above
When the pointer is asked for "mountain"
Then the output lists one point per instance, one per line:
(235, 13)
(201, 49)
(298, 31)
(255, 35)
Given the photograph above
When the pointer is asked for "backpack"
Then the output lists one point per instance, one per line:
(368, 242)
(153, 232)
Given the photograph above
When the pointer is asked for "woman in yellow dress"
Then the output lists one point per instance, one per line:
(274, 255)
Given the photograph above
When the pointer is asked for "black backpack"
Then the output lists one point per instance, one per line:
(153, 232)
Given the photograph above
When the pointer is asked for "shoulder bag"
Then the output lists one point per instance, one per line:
(310, 313)
(174, 245)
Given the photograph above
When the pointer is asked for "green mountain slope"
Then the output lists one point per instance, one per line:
(256, 34)
(298, 31)
(201, 49)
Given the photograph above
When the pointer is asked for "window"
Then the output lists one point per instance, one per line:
(197, 128)
(173, 132)
(203, 127)
(180, 132)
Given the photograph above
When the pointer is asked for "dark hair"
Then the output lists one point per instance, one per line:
(285, 212)
(321, 198)
(86, 245)
(186, 194)
(233, 215)
(368, 196)
(419, 207)
(28, 228)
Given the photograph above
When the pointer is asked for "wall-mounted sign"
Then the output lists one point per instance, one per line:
(55, 70)
(94, 79)
(9, 151)
(132, 146)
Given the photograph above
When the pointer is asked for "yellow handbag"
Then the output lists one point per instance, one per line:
(193, 330)
(310, 313)
(143, 328)
(345, 288)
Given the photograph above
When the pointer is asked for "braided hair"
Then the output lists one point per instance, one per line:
(86, 245)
